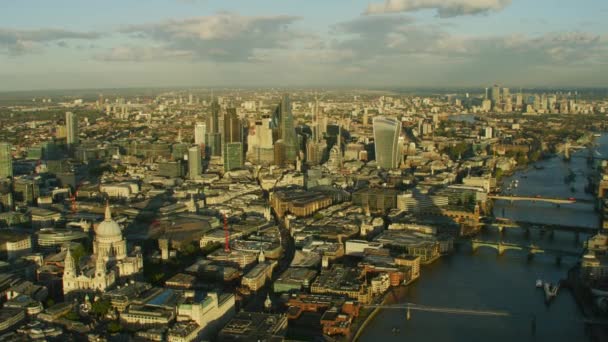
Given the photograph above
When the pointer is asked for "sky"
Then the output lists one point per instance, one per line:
(71, 44)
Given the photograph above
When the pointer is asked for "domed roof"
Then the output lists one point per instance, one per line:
(108, 227)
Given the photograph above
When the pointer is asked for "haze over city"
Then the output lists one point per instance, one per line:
(304, 170)
(381, 43)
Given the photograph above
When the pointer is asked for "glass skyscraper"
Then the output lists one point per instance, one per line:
(386, 137)
(287, 131)
(6, 161)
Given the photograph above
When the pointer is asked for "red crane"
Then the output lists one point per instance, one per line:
(226, 235)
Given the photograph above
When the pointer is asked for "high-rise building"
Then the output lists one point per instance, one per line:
(233, 156)
(259, 142)
(233, 141)
(506, 94)
(195, 167)
(200, 131)
(214, 138)
(71, 126)
(287, 131)
(6, 160)
(386, 137)
(495, 95)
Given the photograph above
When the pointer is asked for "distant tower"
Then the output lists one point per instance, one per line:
(287, 131)
(71, 126)
(6, 161)
(200, 130)
(233, 141)
(194, 162)
(163, 245)
(214, 137)
(386, 137)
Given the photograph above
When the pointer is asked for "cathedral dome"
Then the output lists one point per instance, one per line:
(108, 228)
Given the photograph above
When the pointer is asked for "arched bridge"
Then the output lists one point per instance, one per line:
(501, 247)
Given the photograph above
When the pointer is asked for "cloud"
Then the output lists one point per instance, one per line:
(142, 54)
(225, 37)
(444, 8)
(17, 42)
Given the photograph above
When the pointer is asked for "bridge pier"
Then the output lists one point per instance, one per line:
(551, 234)
(577, 237)
(558, 260)
(527, 233)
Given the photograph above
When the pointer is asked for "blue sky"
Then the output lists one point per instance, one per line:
(378, 43)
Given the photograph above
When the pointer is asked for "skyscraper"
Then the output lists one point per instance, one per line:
(495, 95)
(71, 126)
(214, 137)
(287, 131)
(200, 130)
(233, 141)
(195, 168)
(386, 137)
(259, 142)
(6, 161)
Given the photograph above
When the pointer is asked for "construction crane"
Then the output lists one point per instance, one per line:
(226, 235)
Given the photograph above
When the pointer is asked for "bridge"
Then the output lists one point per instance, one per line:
(501, 223)
(541, 199)
(532, 249)
(437, 309)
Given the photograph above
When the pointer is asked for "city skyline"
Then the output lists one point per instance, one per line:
(398, 43)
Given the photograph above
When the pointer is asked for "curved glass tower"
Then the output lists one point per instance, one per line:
(386, 137)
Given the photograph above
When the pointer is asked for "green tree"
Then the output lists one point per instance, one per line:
(114, 327)
(101, 307)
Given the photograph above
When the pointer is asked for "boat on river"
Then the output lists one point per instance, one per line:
(550, 291)
(539, 283)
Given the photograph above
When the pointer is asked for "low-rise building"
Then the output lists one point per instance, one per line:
(254, 326)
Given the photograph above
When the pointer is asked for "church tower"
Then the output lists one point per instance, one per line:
(69, 273)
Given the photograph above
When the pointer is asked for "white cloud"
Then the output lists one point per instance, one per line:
(16, 42)
(225, 37)
(445, 8)
(142, 54)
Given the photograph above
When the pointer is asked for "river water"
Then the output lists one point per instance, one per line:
(484, 280)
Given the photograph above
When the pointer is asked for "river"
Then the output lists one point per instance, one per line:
(484, 280)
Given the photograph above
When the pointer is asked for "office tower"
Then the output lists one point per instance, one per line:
(190, 99)
(495, 95)
(214, 137)
(505, 94)
(487, 94)
(233, 141)
(233, 156)
(6, 160)
(200, 131)
(259, 142)
(287, 132)
(386, 137)
(71, 126)
(194, 162)
(519, 100)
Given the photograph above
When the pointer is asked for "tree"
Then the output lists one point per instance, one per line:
(114, 327)
(101, 307)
